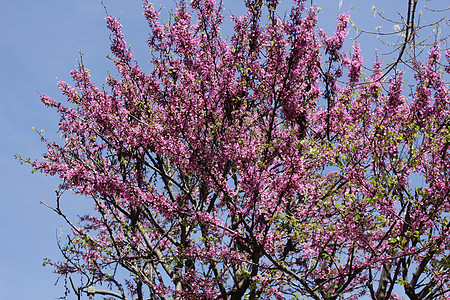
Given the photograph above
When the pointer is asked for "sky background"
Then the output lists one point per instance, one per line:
(40, 41)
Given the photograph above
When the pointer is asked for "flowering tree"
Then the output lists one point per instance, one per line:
(266, 166)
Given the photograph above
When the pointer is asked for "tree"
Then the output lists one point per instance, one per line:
(253, 167)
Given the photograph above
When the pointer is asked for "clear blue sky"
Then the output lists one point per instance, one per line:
(39, 41)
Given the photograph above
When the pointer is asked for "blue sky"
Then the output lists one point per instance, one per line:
(40, 41)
